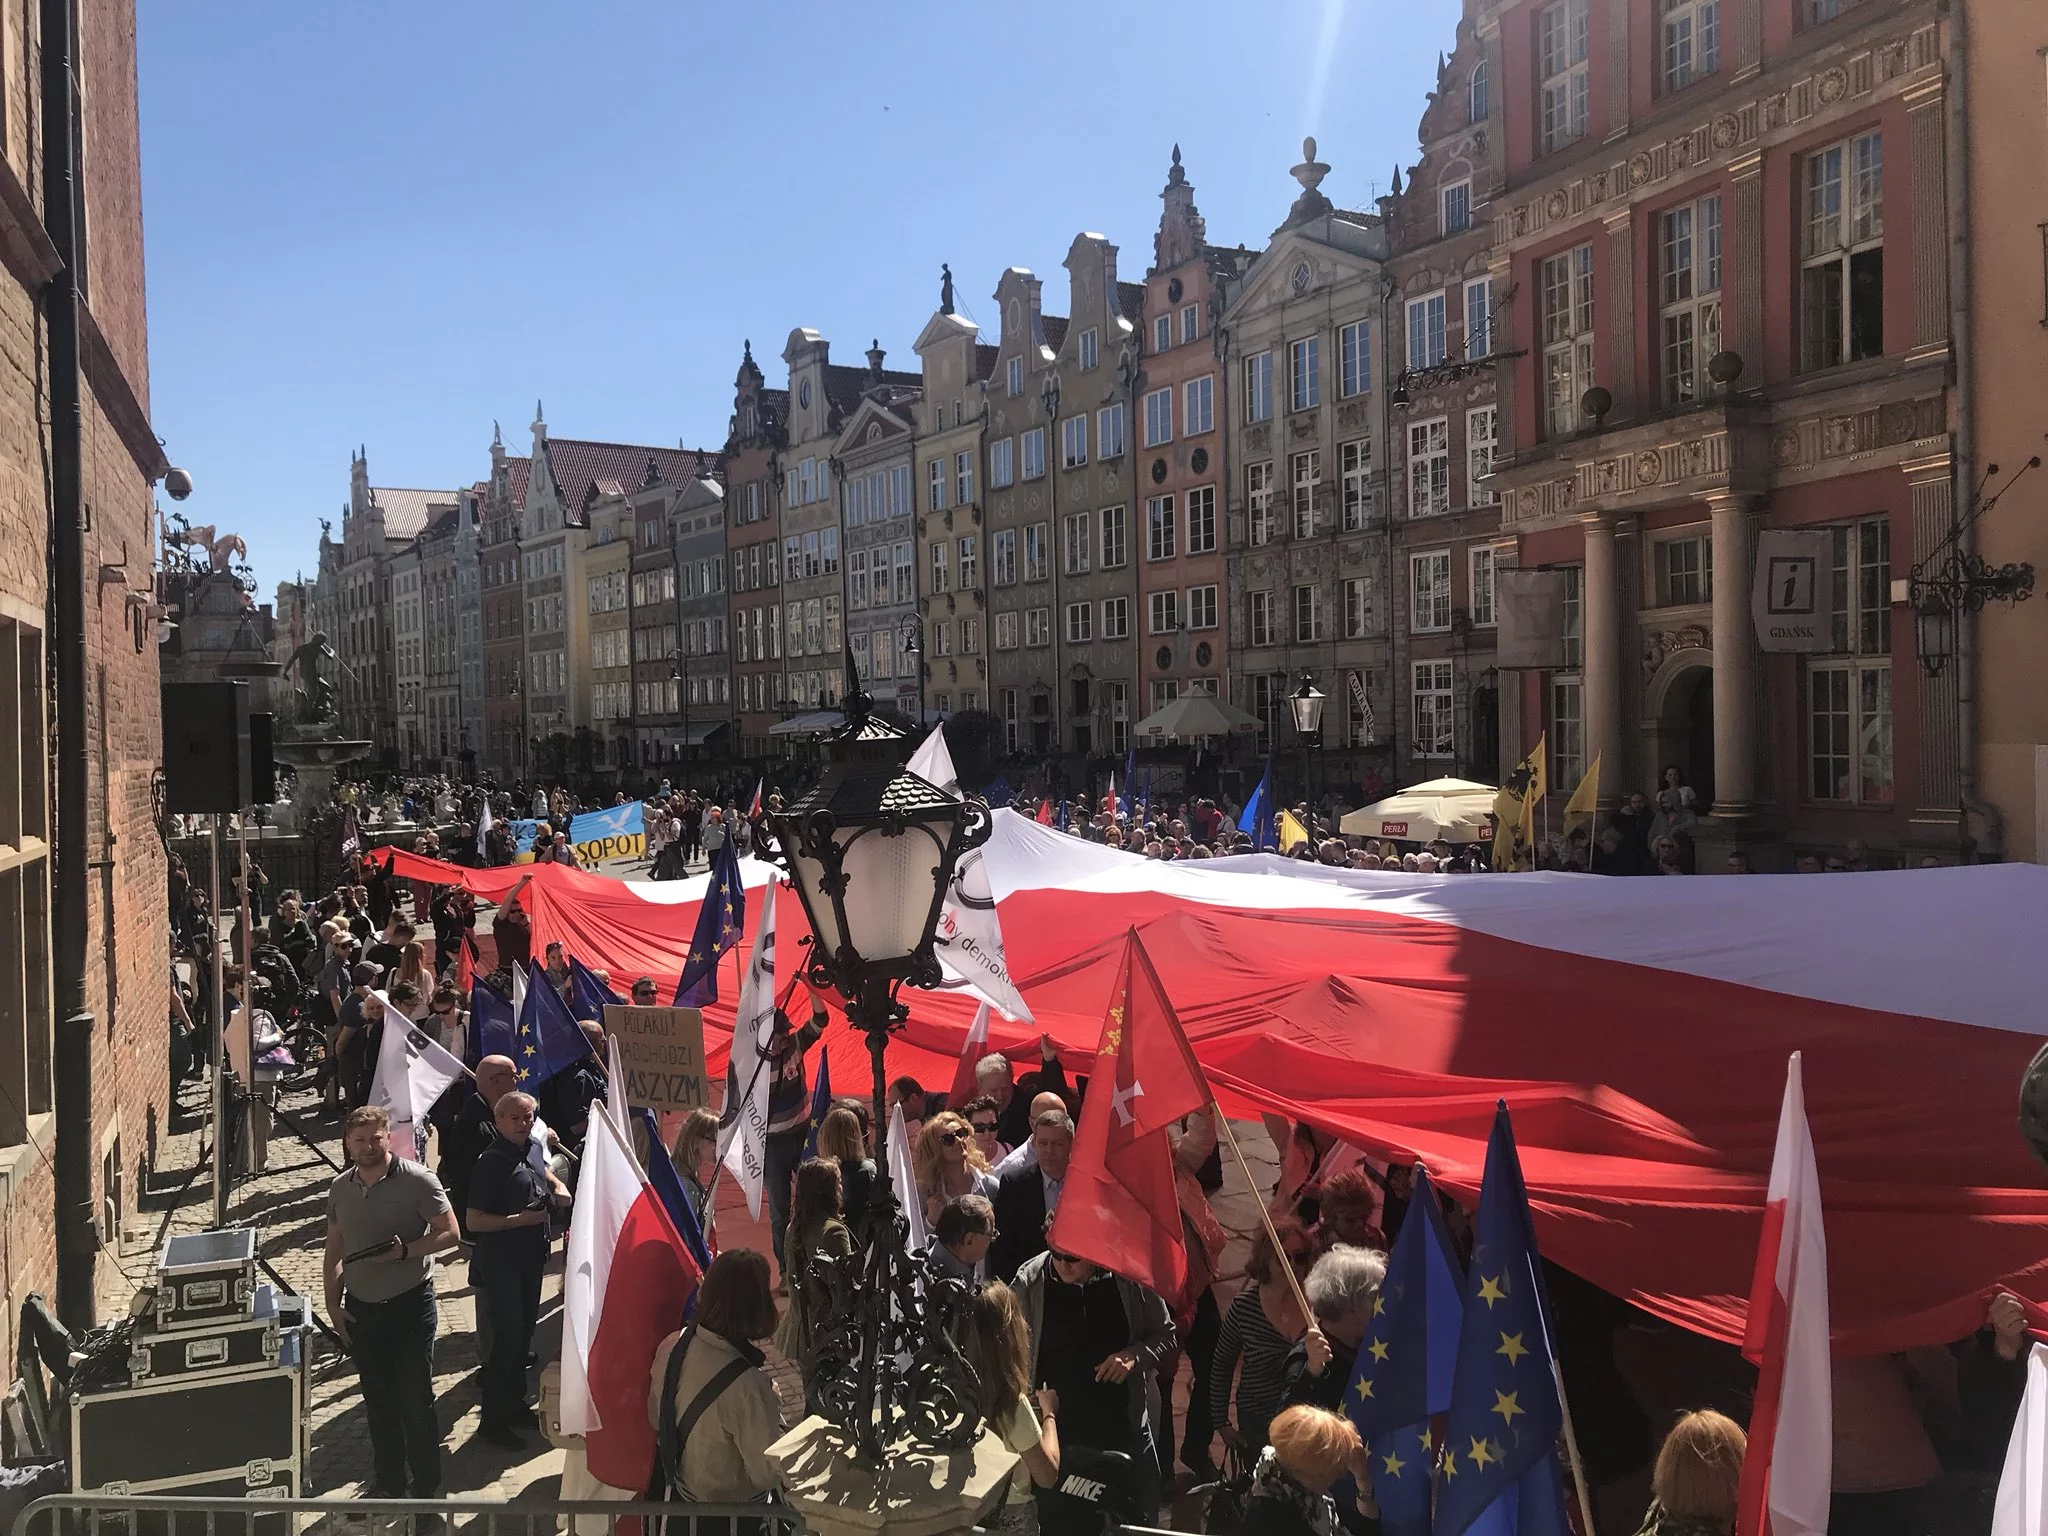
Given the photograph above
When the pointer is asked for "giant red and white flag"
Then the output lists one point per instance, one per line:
(1787, 1473)
(1118, 1205)
(626, 1282)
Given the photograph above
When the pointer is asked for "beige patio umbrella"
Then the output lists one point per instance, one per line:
(1456, 810)
(1192, 715)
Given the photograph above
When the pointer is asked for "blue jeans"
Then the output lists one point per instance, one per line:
(393, 1345)
(510, 1295)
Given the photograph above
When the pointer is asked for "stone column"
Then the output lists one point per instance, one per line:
(1621, 304)
(1926, 113)
(1742, 326)
(1936, 795)
(1600, 615)
(1735, 666)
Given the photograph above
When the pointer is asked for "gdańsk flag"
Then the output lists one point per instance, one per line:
(627, 1279)
(1788, 1471)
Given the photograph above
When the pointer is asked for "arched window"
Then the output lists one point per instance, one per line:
(1479, 93)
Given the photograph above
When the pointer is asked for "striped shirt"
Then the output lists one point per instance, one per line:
(1248, 1336)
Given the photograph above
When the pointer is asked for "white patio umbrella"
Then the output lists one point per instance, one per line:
(1192, 715)
(1456, 810)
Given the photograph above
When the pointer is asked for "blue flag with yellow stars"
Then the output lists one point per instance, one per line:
(492, 1029)
(1402, 1377)
(719, 922)
(591, 994)
(548, 1040)
(1499, 1474)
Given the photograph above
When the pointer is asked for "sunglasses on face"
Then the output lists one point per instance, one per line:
(1064, 1258)
(985, 1130)
(952, 1138)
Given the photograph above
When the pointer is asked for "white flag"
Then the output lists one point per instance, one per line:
(933, 763)
(2022, 1505)
(969, 941)
(483, 828)
(412, 1073)
(904, 1179)
(743, 1127)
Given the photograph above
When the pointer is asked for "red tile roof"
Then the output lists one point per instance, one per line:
(578, 464)
(1130, 298)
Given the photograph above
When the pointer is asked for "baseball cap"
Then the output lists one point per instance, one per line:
(365, 974)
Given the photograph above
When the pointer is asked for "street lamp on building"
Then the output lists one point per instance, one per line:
(1952, 581)
(913, 647)
(1306, 703)
(872, 849)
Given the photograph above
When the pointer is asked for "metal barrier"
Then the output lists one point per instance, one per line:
(101, 1514)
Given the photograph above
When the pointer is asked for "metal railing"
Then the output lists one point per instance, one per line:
(101, 1514)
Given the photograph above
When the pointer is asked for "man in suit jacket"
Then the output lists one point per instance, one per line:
(1025, 1197)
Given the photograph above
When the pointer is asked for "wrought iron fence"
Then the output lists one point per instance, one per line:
(106, 1514)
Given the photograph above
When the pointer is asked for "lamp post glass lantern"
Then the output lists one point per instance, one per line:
(872, 849)
(1306, 703)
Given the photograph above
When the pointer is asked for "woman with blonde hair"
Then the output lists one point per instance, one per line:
(997, 1343)
(1698, 1477)
(946, 1162)
(412, 966)
(696, 1159)
(841, 1139)
(1290, 1494)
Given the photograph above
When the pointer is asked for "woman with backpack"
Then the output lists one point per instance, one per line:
(711, 1401)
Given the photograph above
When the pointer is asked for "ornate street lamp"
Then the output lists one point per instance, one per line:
(872, 849)
(1306, 703)
(1952, 581)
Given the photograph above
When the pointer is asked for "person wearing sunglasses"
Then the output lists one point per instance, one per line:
(643, 993)
(947, 1162)
(983, 1118)
(1097, 1339)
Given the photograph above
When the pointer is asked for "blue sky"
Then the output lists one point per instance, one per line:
(390, 223)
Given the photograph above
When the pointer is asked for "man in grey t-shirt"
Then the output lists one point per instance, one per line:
(386, 1219)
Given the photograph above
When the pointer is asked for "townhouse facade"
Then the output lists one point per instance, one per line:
(408, 663)
(952, 593)
(756, 443)
(378, 523)
(694, 715)
(872, 463)
(468, 652)
(1723, 334)
(502, 612)
(605, 594)
(441, 672)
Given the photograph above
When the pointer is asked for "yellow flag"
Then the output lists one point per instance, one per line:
(1291, 832)
(1585, 799)
(1514, 813)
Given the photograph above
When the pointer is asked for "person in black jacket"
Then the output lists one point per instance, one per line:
(1025, 1197)
(1013, 1099)
(1341, 1289)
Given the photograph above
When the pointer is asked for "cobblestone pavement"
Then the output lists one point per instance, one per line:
(286, 1203)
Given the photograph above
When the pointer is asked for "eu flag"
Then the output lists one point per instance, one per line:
(1499, 1475)
(1258, 811)
(1059, 817)
(591, 994)
(719, 922)
(492, 1029)
(667, 1185)
(1130, 797)
(548, 1040)
(821, 1102)
(1402, 1377)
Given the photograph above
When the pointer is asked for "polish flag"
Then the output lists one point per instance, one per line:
(626, 1282)
(975, 1048)
(754, 810)
(1788, 1472)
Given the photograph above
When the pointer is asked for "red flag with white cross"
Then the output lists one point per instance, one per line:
(1117, 1206)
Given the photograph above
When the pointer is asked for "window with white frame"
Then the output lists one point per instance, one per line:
(1354, 471)
(969, 549)
(1428, 338)
(1429, 591)
(1034, 453)
(1429, 467)
(1074, 442)
(1479, 317)
(1841, 293)
(1259, 616)
(1308, 613)
(1685, 570)
(942, 567)
(1109, 432)
(1308, 480)
(963, 478)
(1478, 94)
(1079, 534)
(1160, 543)
(1691, 31)
(1358, 606)
(1201, 519)
(1164, 691)
(1202, 607)
(1564, 84)
(1689, 273)
(1090, 348)
(1267, 694)
(1190, 322)
(1114, 535)
(1080, 623)
(1258, 387)
(1036, 559)
(1003, 556)
(1001, 464)
(1012, 717)
(1162, 333)
(1006, 632)
(1159, 417)
(1119, 696)
(1305, 373)
(857, 578)
(970, 636)
(1354, 359)
(1198, 405)
(885, 654)
(1567, 336)
(1813, 12)
(1013, 377)
(1162, 612)
(1479, 585)
(935, 485)
(1482, 441)
(1116, 618)
(1849, 693)
(1435, 722)
(1455, 206)
(1258, 498)
(1567, 725)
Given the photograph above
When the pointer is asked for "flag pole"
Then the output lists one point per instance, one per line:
(711, 1189)
(1266, 1218)
(1564, 1407)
